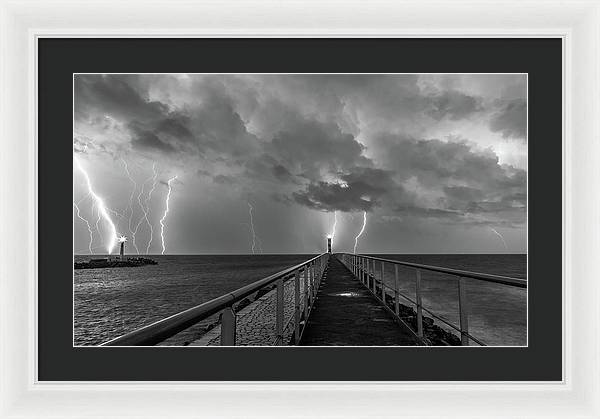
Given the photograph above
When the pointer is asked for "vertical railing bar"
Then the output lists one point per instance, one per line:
(310, 286)
(305, 293)
(383, 282)
(312, 274)
(279, 312)
(228, 326)
(396, 291)
(373, 274)
(362, 272)
(297, 307)
(419, 304)
(463, 312)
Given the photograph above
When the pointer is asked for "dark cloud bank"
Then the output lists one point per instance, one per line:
(327, 143)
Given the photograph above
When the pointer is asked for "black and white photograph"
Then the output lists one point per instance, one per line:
(300, 209)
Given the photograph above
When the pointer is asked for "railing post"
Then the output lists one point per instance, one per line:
(382, 282)
(228, 327)
(396, 291)
(419, 304)
(373, 274)
(312, 282)
(279, 313)
(305, 293)
(297, 307)
(362, 270)
(463, 311)
(315, 280)
(310, 285)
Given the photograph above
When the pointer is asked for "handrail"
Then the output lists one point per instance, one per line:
(364, 269)
(498, 279)
(437, 316)
(160, 330)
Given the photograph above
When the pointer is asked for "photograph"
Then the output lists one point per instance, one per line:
(308, 209)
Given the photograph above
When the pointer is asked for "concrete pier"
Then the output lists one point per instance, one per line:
(347, 314)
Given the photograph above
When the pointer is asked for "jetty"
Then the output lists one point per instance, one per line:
(129, 262)
(333, 299)
(120, 261)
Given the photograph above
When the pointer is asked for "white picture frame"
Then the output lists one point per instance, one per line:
(24, 22)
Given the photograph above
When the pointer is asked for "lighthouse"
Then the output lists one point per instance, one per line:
(328, 244)
(122, 241)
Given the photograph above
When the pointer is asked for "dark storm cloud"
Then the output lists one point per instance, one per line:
(143, 139)
(434, 162)
(176, 125)
(114, 95)
(217, 127)
(453, 105)
(310, 148)
(471, 180)
(209, 125)
(463, 193)
(281, 173)
(326, 196)
(511, 119)
(359, 190)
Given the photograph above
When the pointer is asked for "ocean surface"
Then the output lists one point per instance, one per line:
(111, 302)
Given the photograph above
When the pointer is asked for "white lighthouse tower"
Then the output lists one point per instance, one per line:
(122, 241)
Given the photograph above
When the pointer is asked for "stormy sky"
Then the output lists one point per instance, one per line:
(437, 162)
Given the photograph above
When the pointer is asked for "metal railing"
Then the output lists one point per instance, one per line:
(364, 269)
(311, 273)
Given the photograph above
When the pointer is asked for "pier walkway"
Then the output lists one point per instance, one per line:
(347, 314)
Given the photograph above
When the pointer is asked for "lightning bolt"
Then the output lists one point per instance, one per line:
(361, 230)
(98, 223)
(131, 202)
(89, 227)
(162, 220)
(145, 208)
(501, 238)
(99, 202)
(147, 201)
(254, 238)
(332, 235)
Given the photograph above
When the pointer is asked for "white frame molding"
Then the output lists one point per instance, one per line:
(577, 22)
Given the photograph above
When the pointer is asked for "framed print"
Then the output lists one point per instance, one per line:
(359, 218)
(427, 172)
